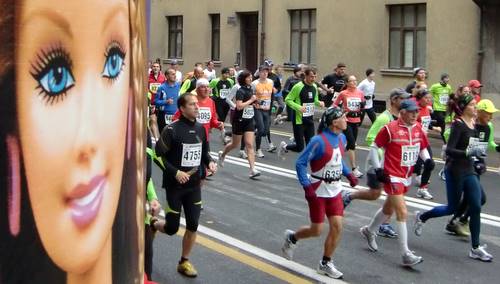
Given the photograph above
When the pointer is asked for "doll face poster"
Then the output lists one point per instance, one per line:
(72, 76)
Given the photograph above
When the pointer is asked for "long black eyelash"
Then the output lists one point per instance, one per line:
(117, 47)
(40, 66)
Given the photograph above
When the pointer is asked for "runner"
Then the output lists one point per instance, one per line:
(174, 64)
(276, 78)
(440, 93)
(335, 83)
(404, 141)
(184, 149)
(419, 74)
(322, 189)
(373, 193)
(484, 128)
(353, 102)
(263, 90)
(190, 83)
(243, 123)
(298, 75)
(424, 102)
(210, 71)
(166, 99)
(220, 90)
(302, 99)
(463, 150)
(156, 78)
(367, 86)
(207, 116)
(475, 87)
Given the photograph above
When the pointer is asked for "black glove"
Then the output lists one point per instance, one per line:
(480, 166)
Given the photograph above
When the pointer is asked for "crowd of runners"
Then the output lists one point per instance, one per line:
(185, 108)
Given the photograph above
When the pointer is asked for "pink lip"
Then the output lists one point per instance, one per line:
(85, 201)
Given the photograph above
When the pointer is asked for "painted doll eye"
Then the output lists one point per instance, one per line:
(52, 71)
(115, 61)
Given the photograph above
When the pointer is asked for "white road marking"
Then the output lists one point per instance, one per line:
(488, 219)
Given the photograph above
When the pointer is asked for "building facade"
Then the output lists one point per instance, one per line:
(390, 36)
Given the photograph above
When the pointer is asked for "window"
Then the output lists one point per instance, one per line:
(215, 19)
(303, 36)
(407, 39)
(174, 36)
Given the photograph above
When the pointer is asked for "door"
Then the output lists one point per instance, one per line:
(249, 40)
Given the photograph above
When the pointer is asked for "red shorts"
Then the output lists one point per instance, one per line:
(321, 206)
(395, 188)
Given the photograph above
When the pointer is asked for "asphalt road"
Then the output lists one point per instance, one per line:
(243, 221)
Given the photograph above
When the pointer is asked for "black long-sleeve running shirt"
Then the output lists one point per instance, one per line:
(456, 149)
(183, 146)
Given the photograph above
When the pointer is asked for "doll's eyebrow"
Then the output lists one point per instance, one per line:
(113, 13)
(53, 17)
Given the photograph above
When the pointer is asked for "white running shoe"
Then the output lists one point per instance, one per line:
(288, 247)
(357, 173)
(370, 238)
(419, 225)
(227, 139)
(243, 154)
(481, 254)
(282, 150)
(329, 270)
(424, 193)
(254, 173)
(259, 153)
(441, 174)
(410, 259)
(220, 161)
(277, 120)
(271, 148)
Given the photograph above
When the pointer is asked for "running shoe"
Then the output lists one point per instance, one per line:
(329, 270)
(441, 175)
(419, 225)
(423, 192)
(259, 153)
(288, 247)
(282, 150)
(254, 173)
(410, 259)
(187, 269)
(357, 173)
(463, 229)
(243, 154)
(277, 120)
(346, 197)
(370, 238)
(291, 139)
(220, 161)
(481, 254)
(271, 148)
(227, 139)
(223, 137)
(387, 231)
(451, 227)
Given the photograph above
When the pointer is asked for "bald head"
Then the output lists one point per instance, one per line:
(198, 72)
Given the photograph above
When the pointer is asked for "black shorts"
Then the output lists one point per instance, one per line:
(241, 126)
(351, 134)
(188, 199)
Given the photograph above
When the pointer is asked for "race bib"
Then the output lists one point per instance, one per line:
(353, 104)
(475, 143)
(332, 172)
(223, 93)
(265, 104)
(153, 87)
(191, 155)
(168, 118)
(426, 122)
(443, 99)
(248, 112)
(409, 155)
(204, 115)
(309, 109)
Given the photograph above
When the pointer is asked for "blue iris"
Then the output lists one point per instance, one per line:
(57, 80)
(114, 62)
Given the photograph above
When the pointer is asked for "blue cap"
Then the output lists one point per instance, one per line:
(409, 105)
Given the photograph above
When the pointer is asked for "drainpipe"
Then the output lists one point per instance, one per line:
(262, 31)
(482, 22)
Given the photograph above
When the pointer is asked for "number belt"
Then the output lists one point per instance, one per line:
(327, 180)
